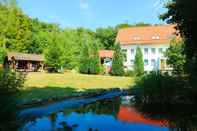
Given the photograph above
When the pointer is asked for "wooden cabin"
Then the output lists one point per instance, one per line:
(24, 62)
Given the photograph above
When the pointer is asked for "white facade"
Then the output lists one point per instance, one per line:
(153, 55)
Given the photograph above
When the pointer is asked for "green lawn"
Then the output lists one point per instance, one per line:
(45, 85)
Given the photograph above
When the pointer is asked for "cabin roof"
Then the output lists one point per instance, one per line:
(24, 56)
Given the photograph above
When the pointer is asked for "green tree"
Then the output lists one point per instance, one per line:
(54, 56)
(84, 59)
(175, 56)
(183, 14)
(139, 63)
(117, 62)
(10, 84)
(94, 59)
(106, 36)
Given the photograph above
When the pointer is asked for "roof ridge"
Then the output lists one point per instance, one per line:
(147, 26)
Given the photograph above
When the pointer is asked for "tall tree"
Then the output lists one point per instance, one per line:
(183, 14)
(176, 57)
(84, 59)
(54, 56)
(138, 62)
(117, 62)
(106, 36)
(94, 59)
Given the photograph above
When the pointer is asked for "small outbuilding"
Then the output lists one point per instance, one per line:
(106, 59)
(24, 62)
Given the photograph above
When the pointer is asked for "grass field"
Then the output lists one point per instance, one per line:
(44, 85)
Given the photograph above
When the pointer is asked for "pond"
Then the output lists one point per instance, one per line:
(116, 113)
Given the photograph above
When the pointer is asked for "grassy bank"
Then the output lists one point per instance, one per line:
(44, 85)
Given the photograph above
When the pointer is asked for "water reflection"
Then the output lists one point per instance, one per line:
(179, 117)
(117, 114)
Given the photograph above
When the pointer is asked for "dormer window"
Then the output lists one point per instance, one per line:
(155, 37)
(136, 38)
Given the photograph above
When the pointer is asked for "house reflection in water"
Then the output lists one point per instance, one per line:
(131, 115)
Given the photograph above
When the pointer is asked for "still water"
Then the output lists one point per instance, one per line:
(112, 114)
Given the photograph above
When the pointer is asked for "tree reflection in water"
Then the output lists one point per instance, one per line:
(180, 117)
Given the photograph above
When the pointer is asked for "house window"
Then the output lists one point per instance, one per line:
(124, 52)
(132, 62)
(145, 51)
(153, 62)
(160, 50)
(132, 51)
(146, 62)
(153, 50)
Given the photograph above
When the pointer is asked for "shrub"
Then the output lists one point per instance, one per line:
(2, 55)
(10, 83)
(117, 62)
(129, 73)
(157, 87)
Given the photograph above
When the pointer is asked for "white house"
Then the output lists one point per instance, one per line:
(153, 41)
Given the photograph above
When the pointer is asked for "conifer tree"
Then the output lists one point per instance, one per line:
(139, 63)
(117, 62)
(94, 59)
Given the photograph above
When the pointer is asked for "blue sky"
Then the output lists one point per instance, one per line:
(93, 13)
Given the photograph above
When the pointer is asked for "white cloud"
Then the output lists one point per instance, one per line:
(86, 8)
(84, 4)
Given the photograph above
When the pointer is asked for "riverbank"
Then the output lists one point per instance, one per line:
(74, 96)
(43, 87)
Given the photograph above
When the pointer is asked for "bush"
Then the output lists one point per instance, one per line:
(2, 55)
(160, 88)
(129, 73)
(10, 83)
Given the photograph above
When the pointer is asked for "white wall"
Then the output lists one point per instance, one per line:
(157, 56)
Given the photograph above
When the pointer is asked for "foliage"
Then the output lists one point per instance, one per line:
(106, 36)
(117, 62)
(175, 56)
(182, 13)
(54, 54)
(10, 83)
(90, 60)
(160, 88)
(2, 55)
(84, 60)
(129, 73)
(139, 63)
(95, 66)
